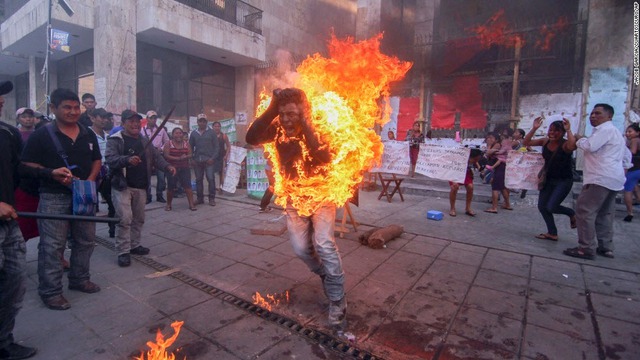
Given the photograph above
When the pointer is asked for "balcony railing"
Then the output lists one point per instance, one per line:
(233, 11)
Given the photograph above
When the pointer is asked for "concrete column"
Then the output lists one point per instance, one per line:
(37, 85)
(114, 54)
(245, 98)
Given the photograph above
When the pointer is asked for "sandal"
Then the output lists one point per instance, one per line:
(507, 208)
(167, 208)
(470, 213)
(578, 252)
(452, 213)
(573, 221)
(491, 211)
(628, 218)
(193, 208)
(605, 253)
(547, 237)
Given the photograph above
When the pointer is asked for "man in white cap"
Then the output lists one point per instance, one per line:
(27, 121)
(158, 143)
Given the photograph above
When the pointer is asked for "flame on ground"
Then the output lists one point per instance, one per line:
(159, 348)
(344, 91)
(270, 300)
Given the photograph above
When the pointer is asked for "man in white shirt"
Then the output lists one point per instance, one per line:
(604, 155)
(158, 143)
(100, 119)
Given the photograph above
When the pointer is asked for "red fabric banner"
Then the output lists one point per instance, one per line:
(443, 115)
(408, 113)
(465, 98)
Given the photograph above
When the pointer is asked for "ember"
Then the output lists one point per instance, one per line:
(343, 90)
(270, 300)
(159, 348)
(496, 31)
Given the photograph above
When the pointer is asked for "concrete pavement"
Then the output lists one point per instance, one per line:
(462, 288)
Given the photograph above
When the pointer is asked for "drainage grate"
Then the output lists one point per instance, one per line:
(328, 341)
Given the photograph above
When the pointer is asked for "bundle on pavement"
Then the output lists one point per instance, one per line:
(377, 238)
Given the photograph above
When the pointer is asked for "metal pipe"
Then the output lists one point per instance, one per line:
(98, 219)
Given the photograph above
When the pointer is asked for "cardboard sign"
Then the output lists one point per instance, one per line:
(522, 170)
(233, 169)
(443, 162)
(395, 158)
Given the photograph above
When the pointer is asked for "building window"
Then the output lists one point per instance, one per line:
(76, 73)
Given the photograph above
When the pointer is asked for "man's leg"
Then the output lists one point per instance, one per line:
(122, 203)
(300, 237)
(12, 280)
(83, 234)
(199, 173)
(323, 221)
(211, 180)
(604, 223)
(161, 185)
(137, 216)
(588, 205)
(53, 237)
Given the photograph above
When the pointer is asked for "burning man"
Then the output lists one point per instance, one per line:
(299, 153)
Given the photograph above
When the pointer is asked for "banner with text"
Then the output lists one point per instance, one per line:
(395, 158)
(522, 170)
(234, 168)
(443, 162)
(257, 181)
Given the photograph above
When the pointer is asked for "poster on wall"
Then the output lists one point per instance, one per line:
(551, 107)
(59, 40)
(443, 162)
(257, 181)
(234, 169)
(241, 118)
(229, 128)
(609, 86)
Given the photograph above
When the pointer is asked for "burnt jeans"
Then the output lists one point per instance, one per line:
(12, 278)
(312, 239)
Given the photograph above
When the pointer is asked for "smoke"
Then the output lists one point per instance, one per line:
(279, 73)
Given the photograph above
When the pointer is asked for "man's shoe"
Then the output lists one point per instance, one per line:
(140, 250)
(86, 287)
(124, 260)
(148, 200)
(56, 302)
(112, 233)
(15, 351)
(160, 199)
(212, 202)
(578, 252)
(199, 201)
(338, 312)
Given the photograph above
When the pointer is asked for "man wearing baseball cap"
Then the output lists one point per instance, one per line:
(158, 142)
(27, 121)
(130, 161)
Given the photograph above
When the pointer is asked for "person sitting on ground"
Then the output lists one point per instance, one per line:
(178, 152)
(557, 153)
(633, 174)
(474, 157)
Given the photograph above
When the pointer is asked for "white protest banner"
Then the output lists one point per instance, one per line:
(443, 162)
(231, 177)
(522, 170)
(395, 158)
(233, 169)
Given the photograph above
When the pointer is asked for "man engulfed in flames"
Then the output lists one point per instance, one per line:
(301, 153)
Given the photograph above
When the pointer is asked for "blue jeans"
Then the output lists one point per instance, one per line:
(200, 169)
(549, 200)
(53, 238)
(313, 241)
(129, 204)
(161, 184)
(13, 267)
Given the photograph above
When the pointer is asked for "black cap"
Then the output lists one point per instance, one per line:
(5, 87)
(128, 114)
(102, 113)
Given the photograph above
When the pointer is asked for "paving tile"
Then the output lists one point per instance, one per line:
(266, 260)
(372, 257)
(500, 281)
(166, 248)
(182, 256)
(245, 236)
(406, 340)
(452, 270)
(295, 270)
(542, 343)
(616, 307)
(458, 255)
(409, 261)
(210, 315)
(507, 262)
(237, 251)
(496, 302)
(613, 286)
(207, 264)
(221, 229)
(457, 347)
(620, 339)
(176, 299)
(432, 240)
(565, 320)
(597, 271)
(442, 287)
(248, 337)
(119, 321)
(235, 275)
(466, 247)
(560, 272)
(545, 293)
(422, 247)
(369, 303)
(264, 284)
(396, 276)
(425, 309)
(145, 286)
(493, 330)
(297, 347)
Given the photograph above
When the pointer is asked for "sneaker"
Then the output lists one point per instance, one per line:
(124, 260)
(338, 311)
(140, 250)
(15, 351)
(160, 199)
(56, 302)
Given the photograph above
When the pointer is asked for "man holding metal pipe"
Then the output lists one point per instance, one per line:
(83, 157)
(130, 161)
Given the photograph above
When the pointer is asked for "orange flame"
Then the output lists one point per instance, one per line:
(159, 348)
(270, 300)
(496, 31)
(548, 33)
(344, 91)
